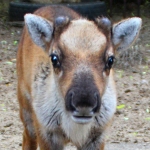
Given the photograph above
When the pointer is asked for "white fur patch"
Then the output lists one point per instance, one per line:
(38, 148)
(125, 32)
(83, 35)
(109, 102)
(47, 102)
(77, 133)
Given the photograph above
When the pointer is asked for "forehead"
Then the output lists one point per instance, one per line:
(83, 35)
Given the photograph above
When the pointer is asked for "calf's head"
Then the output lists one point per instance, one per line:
(81, 57)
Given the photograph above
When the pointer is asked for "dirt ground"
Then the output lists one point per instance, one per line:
(131, 125)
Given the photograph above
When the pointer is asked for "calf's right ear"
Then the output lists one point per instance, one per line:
(40, 29)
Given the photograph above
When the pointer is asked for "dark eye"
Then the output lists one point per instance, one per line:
(110, 62)
(55, 60)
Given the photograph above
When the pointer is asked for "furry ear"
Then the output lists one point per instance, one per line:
(125, 32)
(40, 29)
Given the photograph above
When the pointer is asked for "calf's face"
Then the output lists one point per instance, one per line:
(84, 50)
(82, 54)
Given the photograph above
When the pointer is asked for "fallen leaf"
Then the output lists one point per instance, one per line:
(148, 118)
(9, 62)
(147, 110)
(125, 118)
(120, 106)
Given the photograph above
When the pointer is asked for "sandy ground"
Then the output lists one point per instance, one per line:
(131, 126)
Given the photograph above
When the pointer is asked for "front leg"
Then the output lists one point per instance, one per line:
(51, 140)
(94, 145)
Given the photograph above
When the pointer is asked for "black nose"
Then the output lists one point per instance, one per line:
(82, 101)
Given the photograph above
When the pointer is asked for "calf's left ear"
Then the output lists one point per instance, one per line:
(125, 33)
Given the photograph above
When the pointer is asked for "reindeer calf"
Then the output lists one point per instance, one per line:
(66, 89)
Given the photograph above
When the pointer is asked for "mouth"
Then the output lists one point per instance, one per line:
(82, 119)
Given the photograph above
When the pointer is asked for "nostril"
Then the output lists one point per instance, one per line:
(70, 97)
(96, 97)
(96, 106)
